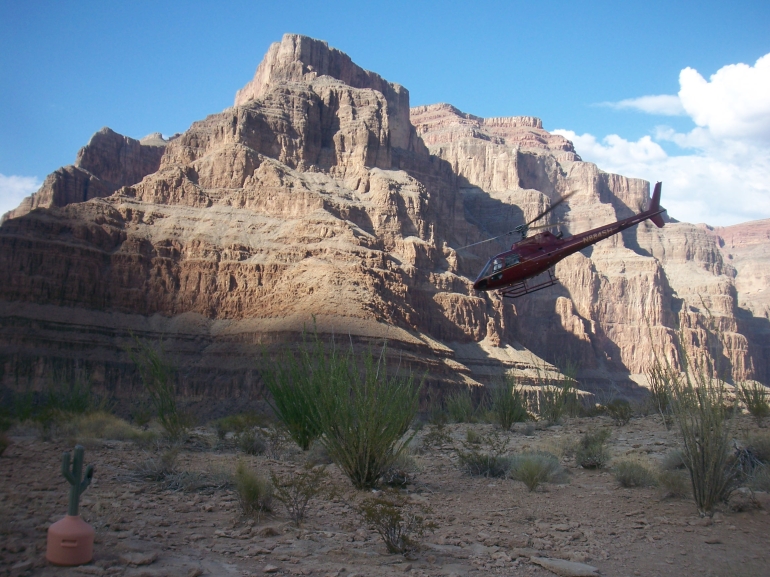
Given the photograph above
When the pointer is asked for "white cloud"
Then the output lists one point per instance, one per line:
(724, 177)
(665, 104)
(14, 188)
(734, 103)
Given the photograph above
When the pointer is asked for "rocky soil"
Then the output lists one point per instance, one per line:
(484, 525)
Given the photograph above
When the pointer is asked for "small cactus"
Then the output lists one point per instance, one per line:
(73, 475)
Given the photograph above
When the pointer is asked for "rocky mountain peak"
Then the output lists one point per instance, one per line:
(300, 59)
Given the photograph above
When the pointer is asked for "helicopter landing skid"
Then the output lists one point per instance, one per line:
(522, 288)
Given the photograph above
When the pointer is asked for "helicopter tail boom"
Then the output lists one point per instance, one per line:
(655, 207)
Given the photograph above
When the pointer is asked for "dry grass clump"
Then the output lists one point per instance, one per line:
(254, 491)
(532, 469)
(591, 451)
(157, 469)
(91, 428)
(251, 442)
(634, 474)
(487, 458)
(399, 522)
(297, 489)
(759, 445)
(756, 398)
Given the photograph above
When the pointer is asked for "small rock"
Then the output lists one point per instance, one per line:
(565, 568)
(270, 569)
(138, 558)
(712, 541)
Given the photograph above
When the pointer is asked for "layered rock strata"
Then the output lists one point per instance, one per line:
(320, 195)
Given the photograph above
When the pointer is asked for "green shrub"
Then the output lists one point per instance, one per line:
(401, 524)
(365, 416)
(755, 396)
(459, 406)
(620, 410)
(297, 489)
(158, 378)
(634, 474)
(296, 380)
(532, 469)
(698, 404)
(489, 460)
(591, 451)
(508, 405)
(659, 393)
(554, 399)
(255, 493)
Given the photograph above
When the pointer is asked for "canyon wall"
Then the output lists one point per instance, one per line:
(321, 198)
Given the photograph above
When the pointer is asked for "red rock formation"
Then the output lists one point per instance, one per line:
(315, 195)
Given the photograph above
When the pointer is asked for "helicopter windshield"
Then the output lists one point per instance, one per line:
(497, 264)
(493, 266)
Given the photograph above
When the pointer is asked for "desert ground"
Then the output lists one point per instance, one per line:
(482, 525)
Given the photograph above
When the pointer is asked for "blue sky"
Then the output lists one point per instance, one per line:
(70, 68)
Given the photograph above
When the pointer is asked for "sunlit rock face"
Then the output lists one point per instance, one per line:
(320, 199)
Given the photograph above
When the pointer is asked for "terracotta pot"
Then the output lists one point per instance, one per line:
(70, 542)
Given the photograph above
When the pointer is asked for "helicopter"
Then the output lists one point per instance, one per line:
(509, 271)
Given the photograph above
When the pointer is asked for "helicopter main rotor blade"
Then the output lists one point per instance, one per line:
(538, 227)
(553, 206)
(487, 240)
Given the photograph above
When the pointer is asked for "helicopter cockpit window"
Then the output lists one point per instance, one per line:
(511, 259)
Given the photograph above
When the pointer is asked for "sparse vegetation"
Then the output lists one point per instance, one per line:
(400, 524)
(92, 427)
(297, 489)
(436, 436)
(620, 410)
(296, 380)
(487, 458)
(755, 396)
(251, 442)
(459, 406)
(591, 451)
(254, 491)
(760, 446)
(536, 468)
(365, 415)
(675, 482)
(158, 377)
(508, 405)
(634, 474)
(700, 409)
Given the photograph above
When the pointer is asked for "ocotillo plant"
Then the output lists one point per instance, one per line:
(74, 477)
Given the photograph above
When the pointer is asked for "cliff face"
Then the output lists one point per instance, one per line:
(106, 163)
(316, 195)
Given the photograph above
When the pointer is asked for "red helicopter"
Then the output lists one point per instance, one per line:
(509, 271)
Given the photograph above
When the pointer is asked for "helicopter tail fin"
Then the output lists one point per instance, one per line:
(655, 207)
